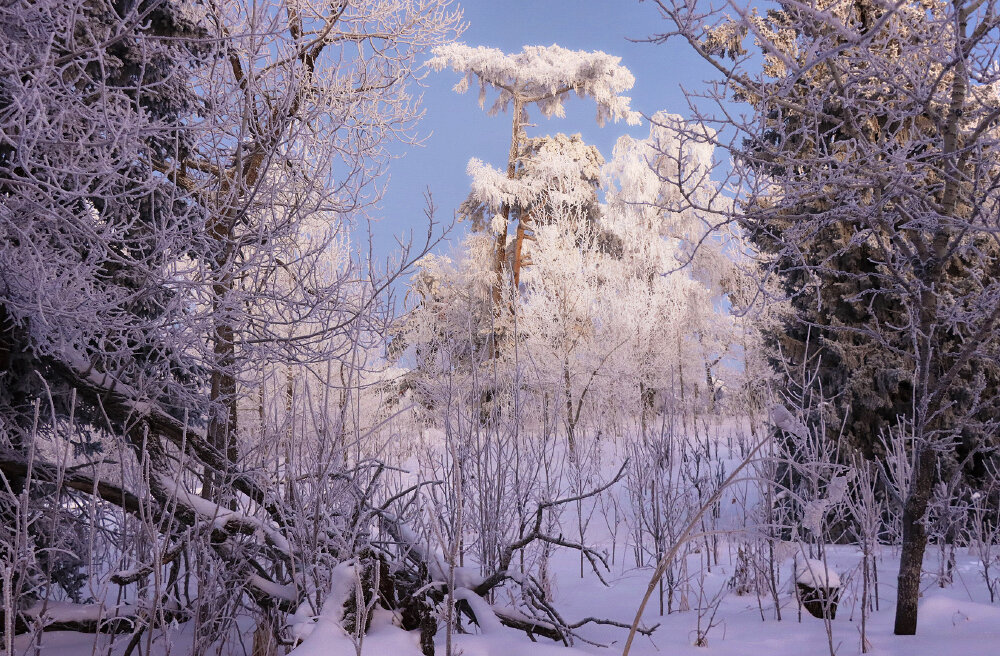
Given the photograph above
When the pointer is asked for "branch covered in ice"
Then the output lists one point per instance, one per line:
(544, 75)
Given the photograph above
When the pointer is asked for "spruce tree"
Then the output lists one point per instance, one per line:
(867, 176)
(93, 94)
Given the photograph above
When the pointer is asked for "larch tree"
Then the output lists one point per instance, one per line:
(866, 176)
(557, 178)
(539, 77)
(604, 293)
(555, 194)
(543, 77)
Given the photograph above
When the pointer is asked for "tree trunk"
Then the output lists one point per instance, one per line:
(500, 246)
(570, 422)
(222, 394)
(264, 642)
(911, 557)
(647, 400)
(518, 251)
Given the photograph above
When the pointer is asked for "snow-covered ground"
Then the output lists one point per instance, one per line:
(714, 619)
(956, 620)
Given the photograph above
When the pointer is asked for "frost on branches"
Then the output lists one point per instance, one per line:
(177, 183)
(612, 298)
(555, 171)
(543, 76)
(539, 76)
(604, 293)
(865, 159)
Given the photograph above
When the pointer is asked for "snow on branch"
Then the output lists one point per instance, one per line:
(561, 171)
(544, 75)
(51, 615)
(121, 400)
(229, 521)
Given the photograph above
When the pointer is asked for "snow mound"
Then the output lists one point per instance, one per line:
(815, 574)
(940, 612)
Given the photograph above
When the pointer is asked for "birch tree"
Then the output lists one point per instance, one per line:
(673, 265)
(305, 101)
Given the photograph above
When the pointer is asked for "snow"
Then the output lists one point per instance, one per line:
(954, 620)
(541, 72)
(328, 638)
(489, 623)
(198, 504)
(786, 421)
(815, 574)
(57, 612)
(321, 634)
(220, 516)
(509, 645)
(276, 590)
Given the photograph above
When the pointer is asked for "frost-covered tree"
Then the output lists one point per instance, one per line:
(608, 296)
(450, 329)
(89, 228)
(286, 160)
(868, 175)
(90, 94)
(538, 76)
(555, 192)
(177, 183)
(556, 177)
(672, 262)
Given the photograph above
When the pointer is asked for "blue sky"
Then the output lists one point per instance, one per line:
(455, 129)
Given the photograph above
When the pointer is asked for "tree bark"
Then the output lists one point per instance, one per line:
(500, 245)
(911, 558)
(518, 253)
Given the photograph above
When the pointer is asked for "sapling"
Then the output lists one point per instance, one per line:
(984, 532)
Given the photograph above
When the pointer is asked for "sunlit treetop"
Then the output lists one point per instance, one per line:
(542, 75)
(558, 170)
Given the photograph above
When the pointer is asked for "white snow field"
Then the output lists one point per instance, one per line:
(957, 620)
(712, 613)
